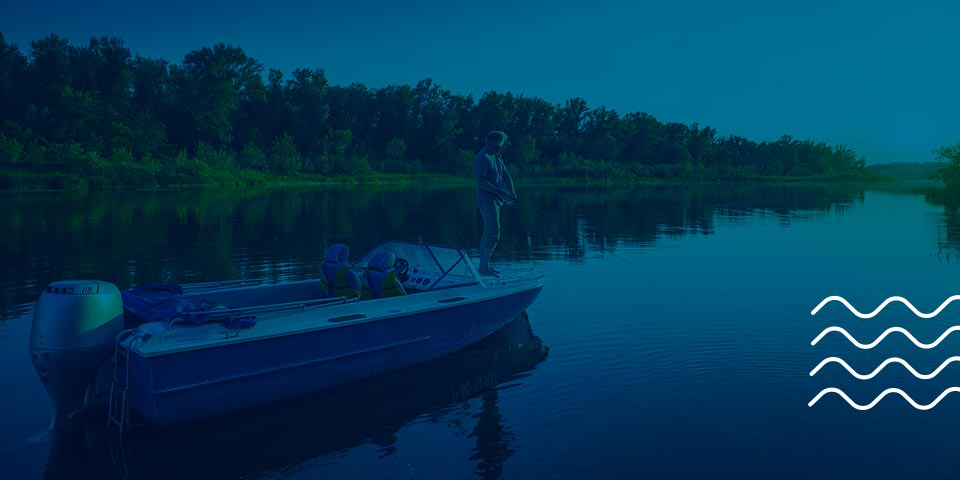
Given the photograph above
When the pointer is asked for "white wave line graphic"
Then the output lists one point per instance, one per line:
(883, 365)
(835, 298)
(880, 397)
(865, 346)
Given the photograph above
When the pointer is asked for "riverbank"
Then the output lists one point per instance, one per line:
(34, 181)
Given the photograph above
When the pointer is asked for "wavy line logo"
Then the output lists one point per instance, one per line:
(884, 365)
(880, 397)
(835, 298)
(866, 346)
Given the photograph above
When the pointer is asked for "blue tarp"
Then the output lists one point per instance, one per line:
(166, 303)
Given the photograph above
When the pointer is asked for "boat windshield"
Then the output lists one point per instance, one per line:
(428, 267)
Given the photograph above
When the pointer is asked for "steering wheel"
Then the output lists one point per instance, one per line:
(402, 267)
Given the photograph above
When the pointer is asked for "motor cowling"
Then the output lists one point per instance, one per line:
(74, 328)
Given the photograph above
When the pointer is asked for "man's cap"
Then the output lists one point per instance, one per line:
(496, 137)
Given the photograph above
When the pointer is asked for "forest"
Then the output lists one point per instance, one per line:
(97, 116)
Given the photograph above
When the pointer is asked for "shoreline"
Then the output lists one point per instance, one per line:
(457, 180)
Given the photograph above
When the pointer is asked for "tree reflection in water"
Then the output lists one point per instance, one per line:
(139, 237)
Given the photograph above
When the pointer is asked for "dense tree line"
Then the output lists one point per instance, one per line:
(96, 114)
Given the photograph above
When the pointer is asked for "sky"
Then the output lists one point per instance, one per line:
(880, 77)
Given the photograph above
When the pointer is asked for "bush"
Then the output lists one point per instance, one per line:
(949, 173)
(252, 157)
(284, 157)
(216, 159)
(10, 150)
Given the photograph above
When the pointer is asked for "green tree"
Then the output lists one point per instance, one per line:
(215, 158)
(305, 93)
(49, 69)
(396, 147)
(13, 66)
(949, 173)
(252, 157)
(393, 153)
(10, 150)
(284, 157)
(526, 153)
(210, 88)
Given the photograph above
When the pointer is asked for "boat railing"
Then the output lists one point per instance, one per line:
(511, 276)
(277, 307)
(201, 287)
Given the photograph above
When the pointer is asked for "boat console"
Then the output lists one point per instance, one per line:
(423, 267)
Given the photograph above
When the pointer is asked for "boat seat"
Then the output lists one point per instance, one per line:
(339, 280)
(380, 278)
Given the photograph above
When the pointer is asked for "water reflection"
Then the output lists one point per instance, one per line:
(948, 234)
(494, 439)
(282, 436)
(137, 237)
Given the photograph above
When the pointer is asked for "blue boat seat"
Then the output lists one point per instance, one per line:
(380, 278)
(339, 280)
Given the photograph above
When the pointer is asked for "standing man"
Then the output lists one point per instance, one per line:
(494, 189)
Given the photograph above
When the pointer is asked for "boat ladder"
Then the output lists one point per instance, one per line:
(119, 409)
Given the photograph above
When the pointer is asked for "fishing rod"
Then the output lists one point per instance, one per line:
(605, 249)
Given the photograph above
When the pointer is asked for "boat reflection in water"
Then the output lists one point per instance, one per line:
(292, 432)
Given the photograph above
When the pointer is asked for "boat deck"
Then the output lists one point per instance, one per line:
(290, 318)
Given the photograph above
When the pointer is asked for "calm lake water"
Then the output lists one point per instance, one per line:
(672, 338)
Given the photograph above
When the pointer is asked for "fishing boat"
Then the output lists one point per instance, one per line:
(169, 354)
(371, 411)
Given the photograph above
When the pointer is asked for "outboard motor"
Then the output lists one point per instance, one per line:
(74, 328)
